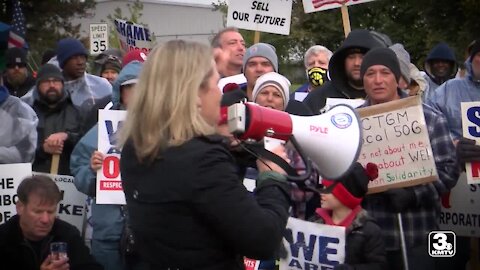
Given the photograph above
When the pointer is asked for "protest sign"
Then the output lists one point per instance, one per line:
(10, 177)
(461, 209)
(98, 38)
(109, 181)
(395, 137)
(133, 36)
(471, 130)
(319, 5)
(354, 103)
(71, 207)
(271, 16)
(251, 264)
(312, 246)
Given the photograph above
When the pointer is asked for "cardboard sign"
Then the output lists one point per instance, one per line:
(109, 180)
(98, 38)
(461, 209)
(133, 36)
(319, 5)
(312, 246)
(395, 137)
(271, 16)
(10, 177)
(72, 206)
(471, 130)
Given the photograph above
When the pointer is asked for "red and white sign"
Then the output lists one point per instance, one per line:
(319, 5)
(109, 180)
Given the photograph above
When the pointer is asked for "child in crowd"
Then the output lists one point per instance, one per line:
(341, 207)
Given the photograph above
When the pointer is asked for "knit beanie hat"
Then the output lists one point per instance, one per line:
(381, 56)
(15, 56)
(68, 47)
(49, 71)
(351, 189)
(475, 48)
(262, 50)
(132, 55)
(276, 80)
(231, 94)
(112, 63)
(403, 59)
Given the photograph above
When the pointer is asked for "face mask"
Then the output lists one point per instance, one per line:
(317, 76)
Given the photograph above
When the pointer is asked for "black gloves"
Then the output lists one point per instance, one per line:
(401, 199)
(343, 267)
(467, 151)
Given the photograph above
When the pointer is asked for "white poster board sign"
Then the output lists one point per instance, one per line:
(271, 16)
(72, 206)
(133, 36)
(319, 5)
(471, 130)
(312, 246)
(354, 103)
(461, 209)
(10, 177)
(98, 38)
(395, 137)
(109, 180)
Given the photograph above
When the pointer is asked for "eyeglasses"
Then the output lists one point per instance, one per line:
(19, 65)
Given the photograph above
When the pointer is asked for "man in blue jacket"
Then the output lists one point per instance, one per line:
(108, 220)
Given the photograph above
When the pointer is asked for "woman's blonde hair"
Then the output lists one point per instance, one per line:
(165, 107)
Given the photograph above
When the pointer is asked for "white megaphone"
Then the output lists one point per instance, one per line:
(331, 140)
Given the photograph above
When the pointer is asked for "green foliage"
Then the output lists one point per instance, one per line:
(417, 24)
(48, 21)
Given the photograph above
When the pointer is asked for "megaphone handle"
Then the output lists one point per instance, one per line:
(261, 152)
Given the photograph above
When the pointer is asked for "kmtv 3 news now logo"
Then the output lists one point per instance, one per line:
(442, 244)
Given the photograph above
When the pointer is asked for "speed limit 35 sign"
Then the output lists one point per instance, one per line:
(98, 38)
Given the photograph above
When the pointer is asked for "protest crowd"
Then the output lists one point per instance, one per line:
(195, 196)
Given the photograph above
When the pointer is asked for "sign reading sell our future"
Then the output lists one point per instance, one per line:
(312, 246)
(471, 130)
(133, 36)
(271, 16)
(319, 5)
(109, 181)
(395, 137)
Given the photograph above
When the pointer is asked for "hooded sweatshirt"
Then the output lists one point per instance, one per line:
(448, 97)
(339, 87)
(440, 52)
(107, 219)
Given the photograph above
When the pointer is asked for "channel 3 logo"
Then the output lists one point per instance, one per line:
(442, 243)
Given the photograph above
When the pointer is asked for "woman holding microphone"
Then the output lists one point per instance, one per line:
(188, 208)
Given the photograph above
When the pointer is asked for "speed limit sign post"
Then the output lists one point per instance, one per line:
(98, 38)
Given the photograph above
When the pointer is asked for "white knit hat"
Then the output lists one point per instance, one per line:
(273, 79)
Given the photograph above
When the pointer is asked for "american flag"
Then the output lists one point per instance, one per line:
(17, 33)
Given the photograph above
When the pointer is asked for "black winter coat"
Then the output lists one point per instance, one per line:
(18, 254)
(64, 117)
(364, 247)
(189, 209)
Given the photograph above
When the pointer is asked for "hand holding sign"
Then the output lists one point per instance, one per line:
(467, 150)
(96, 160)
